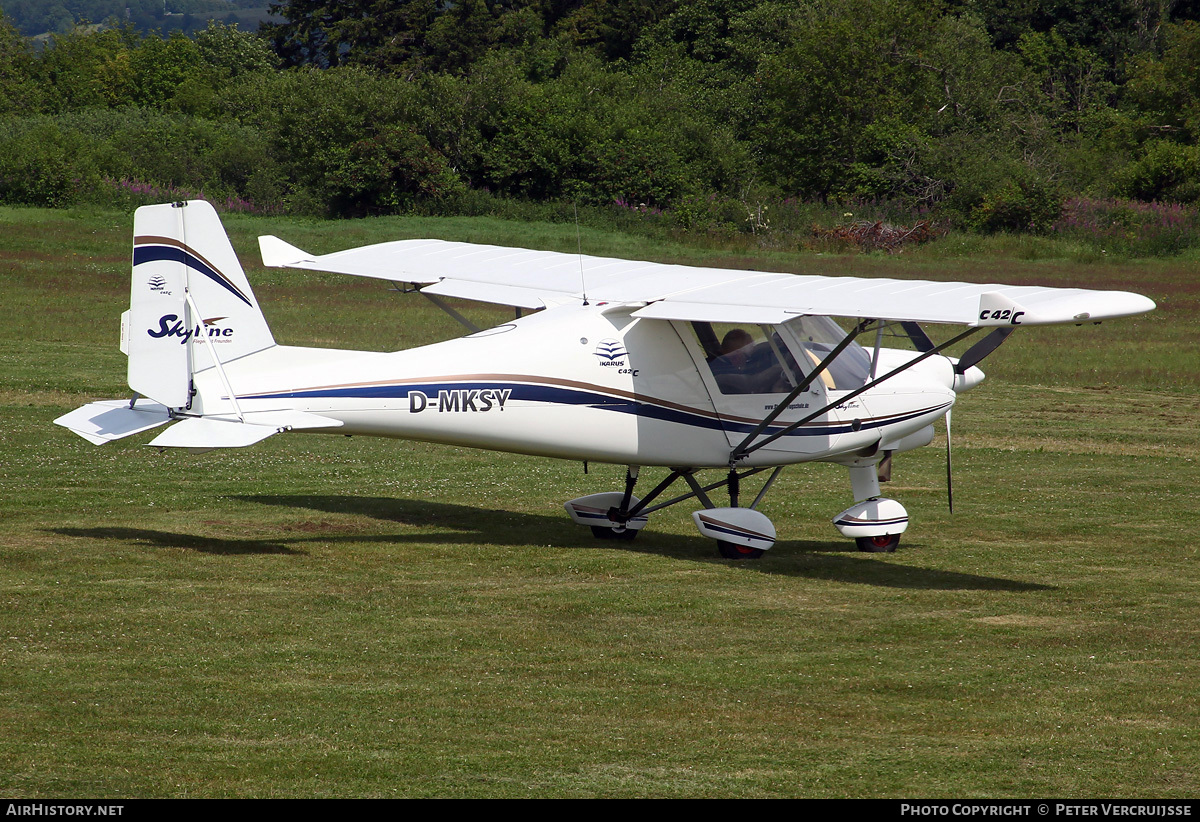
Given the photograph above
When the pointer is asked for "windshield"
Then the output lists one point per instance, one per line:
(816, 337)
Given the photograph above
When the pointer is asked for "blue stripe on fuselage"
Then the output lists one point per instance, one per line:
(575, 397)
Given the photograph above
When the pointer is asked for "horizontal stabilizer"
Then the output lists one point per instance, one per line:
(197, 432)
(229, 432)
(278, 254)
(108, 420)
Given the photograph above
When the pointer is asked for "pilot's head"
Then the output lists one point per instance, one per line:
(737, 342)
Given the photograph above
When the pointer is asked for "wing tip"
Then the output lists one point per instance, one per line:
(278, 254)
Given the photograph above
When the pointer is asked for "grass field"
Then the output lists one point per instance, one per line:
(321, 616)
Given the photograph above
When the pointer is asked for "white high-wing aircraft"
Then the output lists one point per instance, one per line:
(634, 363)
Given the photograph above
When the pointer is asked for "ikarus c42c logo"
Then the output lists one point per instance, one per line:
(610, 351)
(612, 354)
(170, 325)
(158, 285)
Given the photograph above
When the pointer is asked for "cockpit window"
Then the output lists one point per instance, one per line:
(747, 359)
(764, 359)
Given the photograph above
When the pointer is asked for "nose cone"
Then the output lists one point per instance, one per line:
(968, 379)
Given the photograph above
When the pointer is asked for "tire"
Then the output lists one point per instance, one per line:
(731, 551)
(878, 545)
(601, 532)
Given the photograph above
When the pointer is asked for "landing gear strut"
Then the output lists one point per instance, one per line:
(740, 533)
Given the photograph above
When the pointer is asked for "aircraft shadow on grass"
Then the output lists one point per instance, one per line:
(192, 542)
(451, 524)
(448, 523)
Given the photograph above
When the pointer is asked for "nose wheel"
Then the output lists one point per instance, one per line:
(875, 523)
(885, 544)
(731, 550)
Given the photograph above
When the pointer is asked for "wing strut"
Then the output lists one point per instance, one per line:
(744, 450)
(949, 467)
(917, 334)
(470, 326)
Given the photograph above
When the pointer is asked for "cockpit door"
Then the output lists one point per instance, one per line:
(749, 370)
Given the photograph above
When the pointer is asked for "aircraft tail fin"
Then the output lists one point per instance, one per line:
(191, 307)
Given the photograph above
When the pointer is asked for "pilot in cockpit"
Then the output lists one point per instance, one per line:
(739, 371)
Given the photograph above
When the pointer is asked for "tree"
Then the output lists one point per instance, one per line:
(1164, 93)
(379, 33)
(88, 68)
(388, 173)
(19, 90)
(1073, 79)
(852, 80)
(161, 68)
(234, 52)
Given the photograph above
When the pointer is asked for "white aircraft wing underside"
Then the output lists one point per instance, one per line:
(527, 278)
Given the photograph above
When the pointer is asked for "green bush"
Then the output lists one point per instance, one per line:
(1166, 171)
(709, 214)
(1018, 205)
(389, 173)
(87, 155)
(307, 121)
(41, 165)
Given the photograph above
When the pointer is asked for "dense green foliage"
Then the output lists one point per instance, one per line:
(717, 115)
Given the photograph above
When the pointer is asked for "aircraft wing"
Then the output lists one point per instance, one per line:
(533, 279)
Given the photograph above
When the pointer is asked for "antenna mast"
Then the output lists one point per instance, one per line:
(579, 251)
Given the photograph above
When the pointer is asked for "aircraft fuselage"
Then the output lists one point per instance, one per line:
(579, 382)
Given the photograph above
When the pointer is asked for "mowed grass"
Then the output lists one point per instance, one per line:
(323, 616)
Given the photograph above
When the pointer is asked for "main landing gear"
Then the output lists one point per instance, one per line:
(875, 523)
(740, 533)
(731, 550)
